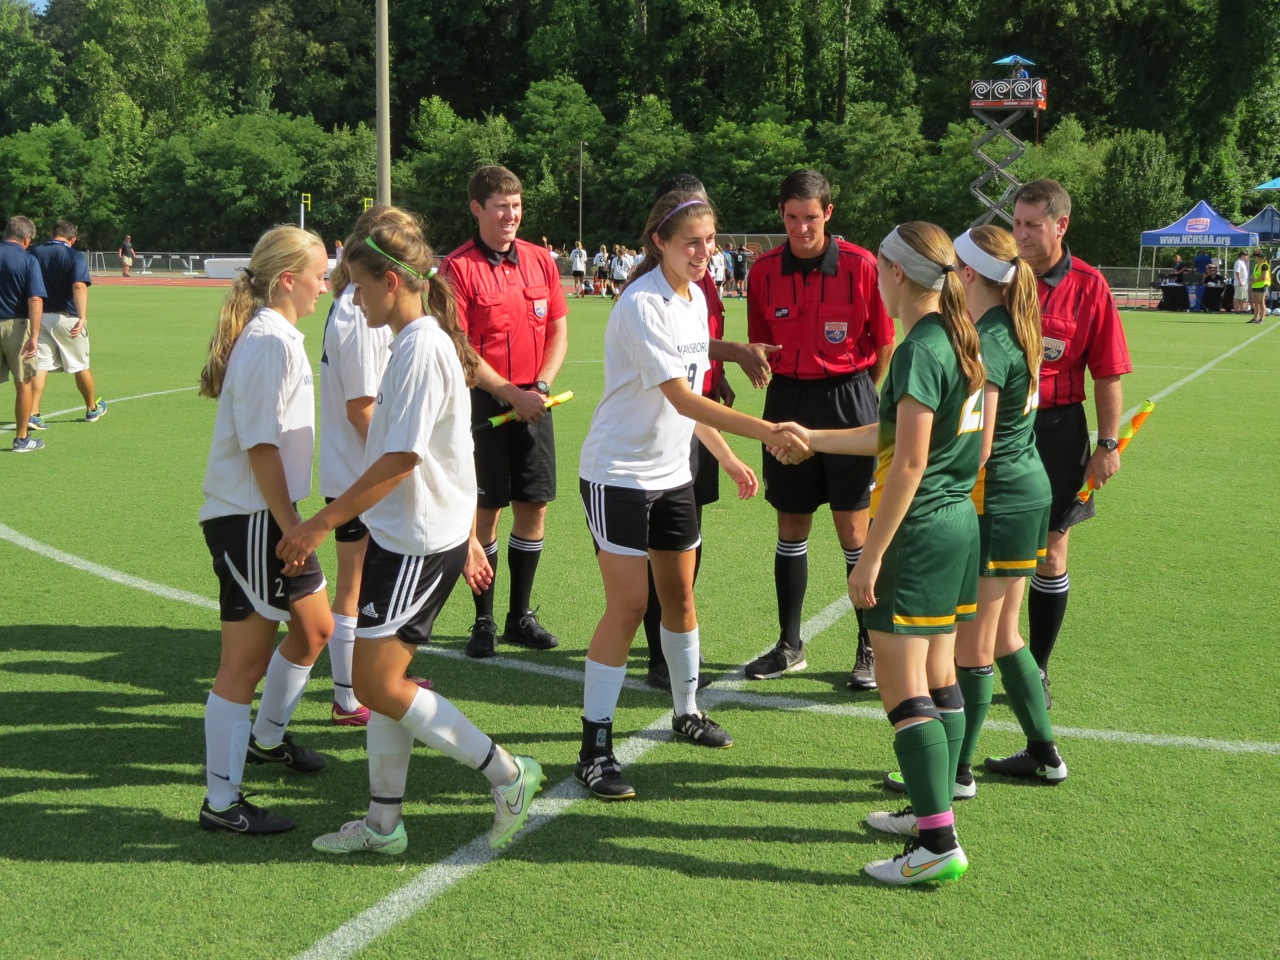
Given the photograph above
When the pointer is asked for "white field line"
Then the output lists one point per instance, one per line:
(140, 396)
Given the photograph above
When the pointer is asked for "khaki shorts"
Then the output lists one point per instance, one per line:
(58, 350)
(1242, 294)
(127, 261)
(13, 335)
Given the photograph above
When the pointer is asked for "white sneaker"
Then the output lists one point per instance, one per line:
(918, 864)
(512, 801)
(357, 837)
(902, 823)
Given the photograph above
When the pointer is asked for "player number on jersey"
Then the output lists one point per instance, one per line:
(971, 415)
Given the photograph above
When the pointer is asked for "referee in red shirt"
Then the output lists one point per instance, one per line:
(1081, 329)
(512, 306)
(817, 297)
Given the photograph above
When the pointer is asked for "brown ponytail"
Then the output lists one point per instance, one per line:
(1021, 298)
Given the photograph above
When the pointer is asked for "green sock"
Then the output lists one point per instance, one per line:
(925, 763)
(1021, 678)
(976, 683)
(953, 722)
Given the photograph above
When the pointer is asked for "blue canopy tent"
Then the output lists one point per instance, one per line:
(1269, 185)
(1201, 226)
(1266, 224)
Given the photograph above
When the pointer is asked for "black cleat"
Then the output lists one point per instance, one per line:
(863, 676)
(781, 659)
(702, 730)
(242, 817)
(524, 630)
(1026, 767)
(287, 754)
(659, 677)
(603, 777)
(484, 634)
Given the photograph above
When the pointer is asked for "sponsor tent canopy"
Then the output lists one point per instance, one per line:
(1266, 224)
(1202, 226)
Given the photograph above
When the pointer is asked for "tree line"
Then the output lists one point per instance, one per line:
(197, 123)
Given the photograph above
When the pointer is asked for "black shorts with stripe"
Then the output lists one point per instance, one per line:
(832, 404)
(353, 531)
(1062, 440)
(250, 577)
(516, 461)
(401, 594)
(632, 522)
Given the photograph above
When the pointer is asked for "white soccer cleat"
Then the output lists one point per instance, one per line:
(357, 837)
(918, 864)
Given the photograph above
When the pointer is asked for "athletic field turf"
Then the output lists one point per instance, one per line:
(1159, 845)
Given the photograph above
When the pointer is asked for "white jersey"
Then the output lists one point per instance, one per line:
(267, 397)
(423, 407)
(351, 366)
(600, 259)
(637, 439)
(717, 267)
(578, 259)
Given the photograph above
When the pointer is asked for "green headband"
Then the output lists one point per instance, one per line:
(400, 263)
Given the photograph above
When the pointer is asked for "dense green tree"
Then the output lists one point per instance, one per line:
(55, 171)
(31, 82)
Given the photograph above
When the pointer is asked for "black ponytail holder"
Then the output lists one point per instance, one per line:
(948, 268)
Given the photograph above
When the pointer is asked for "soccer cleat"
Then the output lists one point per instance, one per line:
(602, 775)
(359, 717)
(512, 801)
(358, 837)
(524, 630)
(27, 444)
(781, 659)
(659, 677)
(702, 730)
(965, 788)
(863, 676)
(287, 754)
(36, 422)
(98, 412)
(1023, 765)
(422, 682)
(484, 633)
(919, 864)
(242, 817)
(1044, 682)
(903, 823)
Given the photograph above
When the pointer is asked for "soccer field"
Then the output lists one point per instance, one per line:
(1164, 702)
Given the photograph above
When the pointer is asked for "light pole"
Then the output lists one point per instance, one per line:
(581, 144)
(383, 71)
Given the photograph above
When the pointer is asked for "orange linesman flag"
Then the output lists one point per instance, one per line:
(1127, 433)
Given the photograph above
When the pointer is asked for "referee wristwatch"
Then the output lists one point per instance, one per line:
(1108, 443)
(544, 388)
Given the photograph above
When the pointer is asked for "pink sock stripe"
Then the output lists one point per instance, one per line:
(936, 820)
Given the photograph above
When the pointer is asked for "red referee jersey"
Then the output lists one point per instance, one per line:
(829, 322)
(1081, 329)
(505, 302)
(715, 326)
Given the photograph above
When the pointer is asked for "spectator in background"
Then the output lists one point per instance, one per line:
(21, 309)
(741, 261)
(1200, 266)
(1179, 274)
(1242, 282)
(728, 268)
(64, 338)
(578, 267)
(1201, 262)
(126, 254)
(337, 252)
(1259, 285)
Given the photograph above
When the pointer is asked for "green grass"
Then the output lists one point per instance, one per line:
(1153, 851)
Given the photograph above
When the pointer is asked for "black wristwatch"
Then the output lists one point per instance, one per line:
(1108, 443)
(543, 387)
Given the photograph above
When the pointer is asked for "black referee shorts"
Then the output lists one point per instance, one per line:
(516, 461)
(1062, 440)
(832, 403)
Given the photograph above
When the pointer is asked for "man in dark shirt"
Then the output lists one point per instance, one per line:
(21, 307)
(126, 254)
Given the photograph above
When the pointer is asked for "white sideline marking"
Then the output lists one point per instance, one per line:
(140, 396)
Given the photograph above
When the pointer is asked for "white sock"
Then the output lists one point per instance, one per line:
(280, 697)
(226, 738)
(681, 652)
(341, 646)
(390, 745)
(601, 690)
(439, 724)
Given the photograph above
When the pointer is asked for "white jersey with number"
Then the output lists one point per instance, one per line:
(717, 267)
(268, 397)
(637, 439)
(351, 367)
(578, 259)
(424, 407)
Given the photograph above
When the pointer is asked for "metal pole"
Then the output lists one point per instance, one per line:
(383, 104)
(580, 146)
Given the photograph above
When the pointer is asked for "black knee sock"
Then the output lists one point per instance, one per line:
(1046, 608)
(851, 558)
(791, 578)
(522, 560)
(484, 599)
(653, 624)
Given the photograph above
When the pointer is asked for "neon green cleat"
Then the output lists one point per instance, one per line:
(357, 837)
(512, 801)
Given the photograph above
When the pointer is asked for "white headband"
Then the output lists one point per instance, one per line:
(918, 268)
(993, 268)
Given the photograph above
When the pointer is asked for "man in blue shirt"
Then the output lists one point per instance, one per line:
(21, 307)
(64, 339)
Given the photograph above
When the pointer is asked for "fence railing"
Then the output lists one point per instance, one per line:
(159, 263)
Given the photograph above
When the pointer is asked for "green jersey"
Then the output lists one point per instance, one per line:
(925, 368)
(1013, 479)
